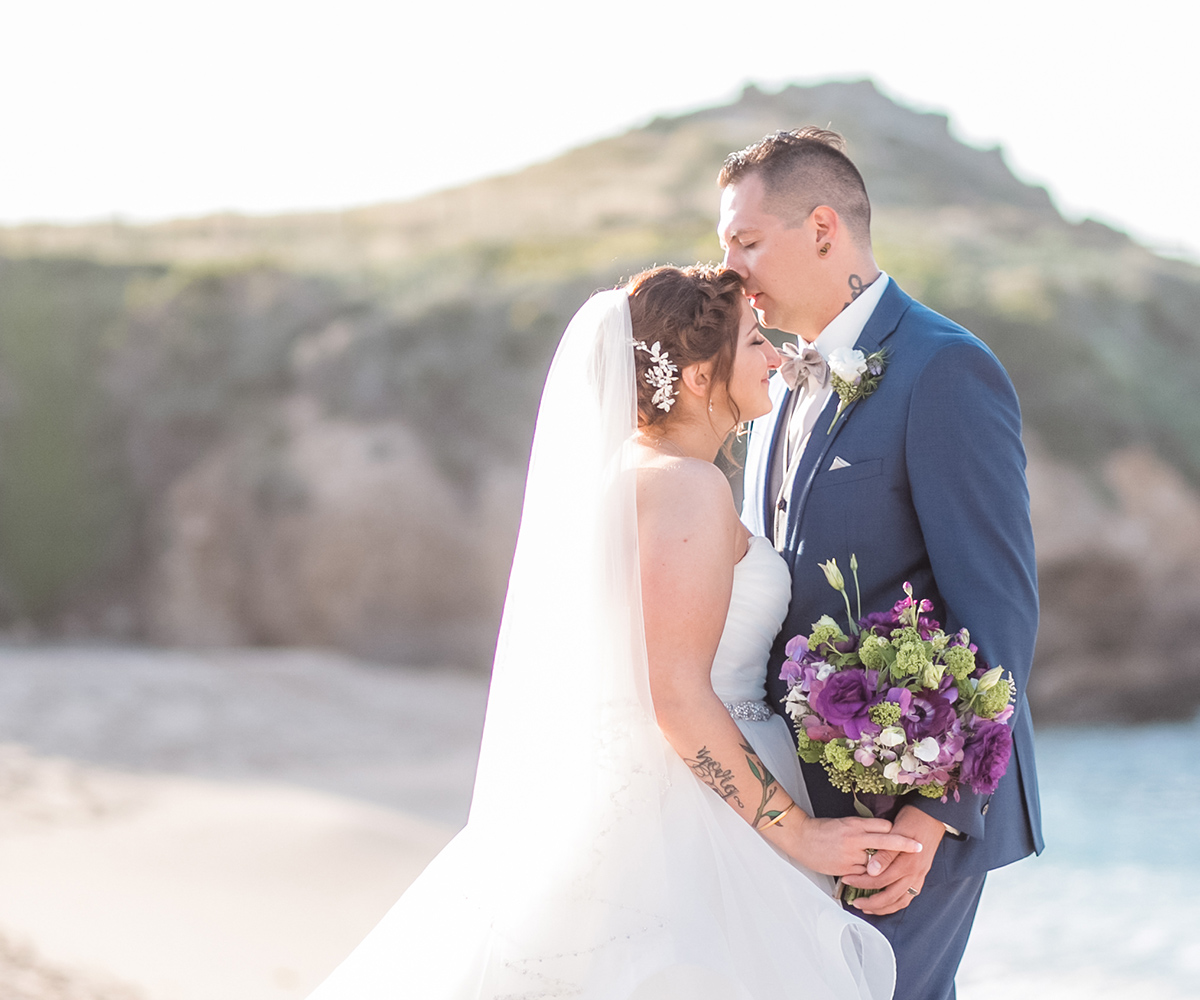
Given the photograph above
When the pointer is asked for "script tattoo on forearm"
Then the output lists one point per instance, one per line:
(767, 783)
(856, 288)
(714, 775)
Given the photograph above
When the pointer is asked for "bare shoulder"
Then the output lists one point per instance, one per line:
(683, 490)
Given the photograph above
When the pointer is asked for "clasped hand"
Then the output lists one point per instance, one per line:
(840, 846)
(894, 872)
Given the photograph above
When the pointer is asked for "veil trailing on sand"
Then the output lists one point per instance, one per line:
(594, 864)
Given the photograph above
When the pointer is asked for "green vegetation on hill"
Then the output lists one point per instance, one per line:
(129, 352)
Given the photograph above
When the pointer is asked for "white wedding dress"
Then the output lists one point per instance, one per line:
(594, 864)
(762, 587)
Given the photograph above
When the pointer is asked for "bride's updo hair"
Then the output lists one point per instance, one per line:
(693, 313)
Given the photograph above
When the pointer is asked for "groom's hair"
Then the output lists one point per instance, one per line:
(801, 169)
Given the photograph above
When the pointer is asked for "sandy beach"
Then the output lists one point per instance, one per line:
(185, 825)
(177, 826)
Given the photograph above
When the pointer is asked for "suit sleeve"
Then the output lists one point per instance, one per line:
(966, 469)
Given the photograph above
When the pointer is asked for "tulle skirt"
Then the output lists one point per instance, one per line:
(702, 908)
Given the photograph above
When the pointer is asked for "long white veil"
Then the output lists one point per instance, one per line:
(594, 864)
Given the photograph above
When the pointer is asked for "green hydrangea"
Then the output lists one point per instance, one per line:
(932, 791)
(910, 659)
(810, 751)
(838, 755)
(960, 661)
(871, 652)
(825, 630)
(991, 702)
(886, 713)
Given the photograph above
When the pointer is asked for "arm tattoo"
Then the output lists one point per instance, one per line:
(712, 774)
(856, 288)
(768, 784)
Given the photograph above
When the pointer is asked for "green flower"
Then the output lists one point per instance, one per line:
(931, 675)
(910, 659)
(991, 702)
(838, 755)
(932, 791)
(868, 780)
(825, 630)
(871, 652)
(810, 751)
(960, 661)
(886, 713)
(833, 575)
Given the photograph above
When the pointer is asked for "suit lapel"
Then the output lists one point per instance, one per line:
(768, 501)
(883, 322)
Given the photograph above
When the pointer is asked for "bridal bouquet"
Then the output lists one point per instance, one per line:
(897, 705)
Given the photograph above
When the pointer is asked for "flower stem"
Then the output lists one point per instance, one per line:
(849, 616)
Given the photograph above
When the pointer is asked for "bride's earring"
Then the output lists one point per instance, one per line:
(710, 406)
(824, 250)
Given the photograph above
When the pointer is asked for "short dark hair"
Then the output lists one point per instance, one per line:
(694, 313)
(801, 169)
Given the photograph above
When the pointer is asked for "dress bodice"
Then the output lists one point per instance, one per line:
(762, 587)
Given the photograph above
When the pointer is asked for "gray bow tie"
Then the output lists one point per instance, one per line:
(803, 367)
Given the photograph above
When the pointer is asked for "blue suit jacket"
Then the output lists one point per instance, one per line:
(934, 494)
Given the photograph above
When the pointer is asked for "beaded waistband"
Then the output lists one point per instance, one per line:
(749, 711)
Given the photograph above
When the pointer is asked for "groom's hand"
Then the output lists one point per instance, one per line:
(899, 872)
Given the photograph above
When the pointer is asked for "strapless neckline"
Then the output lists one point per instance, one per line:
(762, 587)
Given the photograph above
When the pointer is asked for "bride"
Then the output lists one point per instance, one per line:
(639, 828)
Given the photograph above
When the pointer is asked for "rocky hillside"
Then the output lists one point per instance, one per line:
(312, 429)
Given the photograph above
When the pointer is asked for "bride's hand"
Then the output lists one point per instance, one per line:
(840, 846)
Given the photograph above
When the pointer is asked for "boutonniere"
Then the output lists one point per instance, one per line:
(854, 376)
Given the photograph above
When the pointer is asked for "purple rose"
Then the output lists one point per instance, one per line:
(985, 757)
(844, 700)
(929, 714)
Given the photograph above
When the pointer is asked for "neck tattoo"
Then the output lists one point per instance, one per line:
(856, 288)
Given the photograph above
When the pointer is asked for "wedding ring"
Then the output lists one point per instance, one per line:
(870, 852)
(911, 891)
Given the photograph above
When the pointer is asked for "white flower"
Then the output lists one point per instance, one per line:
(991, 678)
(892, 771)
(892, 736)
(796, 704)
(847, 365)
(824, 670)
(927, 749)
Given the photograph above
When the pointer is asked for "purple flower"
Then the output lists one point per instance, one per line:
(790, 672)
(844, 700)
(886, 620)
(985, 757)
(930, 714)
(797, 646)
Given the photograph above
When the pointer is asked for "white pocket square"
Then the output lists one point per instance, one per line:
(839, 463)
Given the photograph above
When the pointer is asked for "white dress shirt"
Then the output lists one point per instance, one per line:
(842, 331)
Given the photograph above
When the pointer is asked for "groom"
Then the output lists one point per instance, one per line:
(924, 480)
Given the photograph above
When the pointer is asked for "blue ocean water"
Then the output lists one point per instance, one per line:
(1112, 907)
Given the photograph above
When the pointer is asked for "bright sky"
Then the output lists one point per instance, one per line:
(148, 109)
